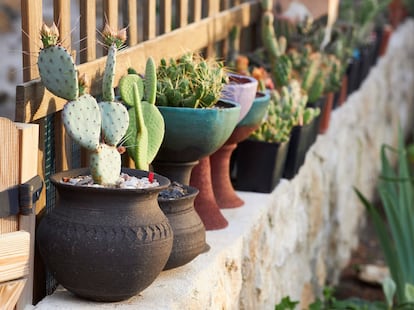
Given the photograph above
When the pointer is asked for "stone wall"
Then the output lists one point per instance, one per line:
(298, 238)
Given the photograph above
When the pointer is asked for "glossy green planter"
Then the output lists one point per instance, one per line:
(191, 134)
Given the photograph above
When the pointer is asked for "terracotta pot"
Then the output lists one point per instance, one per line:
(386, 35)
(224, 192)
(326, 113)
(205, 203)
(189, 231)
(105, 244)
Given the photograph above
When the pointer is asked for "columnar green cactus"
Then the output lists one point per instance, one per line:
(98, 127)
(287, 109)
(145, 134)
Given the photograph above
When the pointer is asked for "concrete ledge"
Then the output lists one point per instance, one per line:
(298, 238)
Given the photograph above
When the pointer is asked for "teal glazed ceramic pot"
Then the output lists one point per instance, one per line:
(191, 134)
(257, 111)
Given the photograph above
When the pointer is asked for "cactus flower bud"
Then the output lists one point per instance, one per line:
(49, 35)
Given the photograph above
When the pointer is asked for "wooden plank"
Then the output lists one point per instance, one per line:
(197, 10)
(14, 255)
(111, 13)
(165, 16)
(182, 8)
(61, 15)
(31, 11)
(10, 292)
(87, 30)
(35, 102)
(132, 22)
(29, 141)
(213, 7)
(9, 166)
(149, 20)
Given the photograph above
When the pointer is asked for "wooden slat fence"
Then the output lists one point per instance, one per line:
(157, 28)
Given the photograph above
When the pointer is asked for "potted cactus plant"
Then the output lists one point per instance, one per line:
(109, 240)
(277, 148)
(197, 122)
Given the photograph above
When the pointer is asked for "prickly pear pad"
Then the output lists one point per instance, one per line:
(115, 120)
(82, 121)
(105, 164)
(58, 72)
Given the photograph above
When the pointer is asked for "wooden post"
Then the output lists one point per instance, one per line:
(18, 164)
(29, 144)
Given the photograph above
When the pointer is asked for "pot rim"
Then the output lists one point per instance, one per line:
(192, 191)
(56, 181)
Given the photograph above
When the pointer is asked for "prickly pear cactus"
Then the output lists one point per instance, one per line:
(146, 127)
(98, 127)
(56, 66)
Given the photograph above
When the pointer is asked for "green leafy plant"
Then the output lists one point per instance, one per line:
(396, 232)
(191, 81)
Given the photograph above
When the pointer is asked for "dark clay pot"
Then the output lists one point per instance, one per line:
(105, 244)
(188, 229)
(260, 165)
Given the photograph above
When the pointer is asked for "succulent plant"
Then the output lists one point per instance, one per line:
(146, 127)
(190, 81)
(98, 127)
(287, 109)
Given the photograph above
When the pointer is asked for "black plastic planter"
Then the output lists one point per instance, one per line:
(259, 165)
(301, 139)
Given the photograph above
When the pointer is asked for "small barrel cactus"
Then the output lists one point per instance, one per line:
(98, 127)
(190, 81)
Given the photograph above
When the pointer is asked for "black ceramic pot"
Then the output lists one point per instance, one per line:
(259, 165)
(189, 231)
(105, 244)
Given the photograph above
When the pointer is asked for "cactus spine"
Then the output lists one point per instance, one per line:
(98, 127)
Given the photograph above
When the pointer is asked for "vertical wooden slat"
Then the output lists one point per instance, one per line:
(111, 12)
(61, 14)
(165, 16)
(29, 141)
(9, 166)
(132, 22)
(87, 30)
(149, 19)
(213, 7)
(62, 17)
(31, 24)
(182, 13)
(197, 9)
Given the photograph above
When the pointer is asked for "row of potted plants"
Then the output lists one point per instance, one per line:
(301, 62)
(109, 238)
(114, 230)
